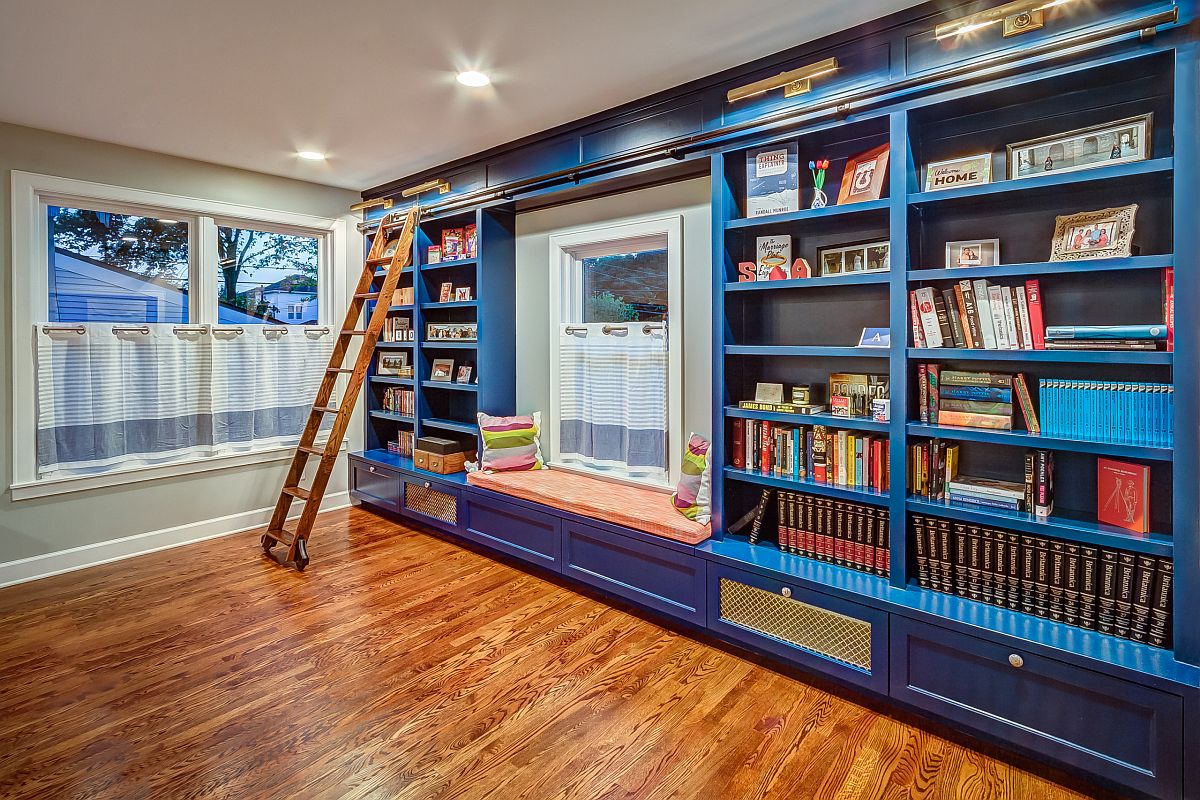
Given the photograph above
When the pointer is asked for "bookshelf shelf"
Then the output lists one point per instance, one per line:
(853, 279)
(393, 417)
(390, 381)
(1056, 525)
(737, 551)
(461, 262)
(850, 423)
(807, 486)
(451, 304)
(435, 345)
(809, 214)
(1026, 439)
(805, 350)
(450, 425)
(1062, 356)
(393, 345)
(454, 387)
(1121, 172)
(379, 273)
(1043, 268)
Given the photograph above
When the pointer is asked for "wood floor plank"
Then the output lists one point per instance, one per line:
(402, 666)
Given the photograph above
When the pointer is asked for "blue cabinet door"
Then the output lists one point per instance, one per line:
(658, 578)
(431, 503)
(374, 484)
(1108, 727)
(509, 528)
(841, 639)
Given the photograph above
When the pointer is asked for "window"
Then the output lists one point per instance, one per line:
(162, 292)
(616, 369)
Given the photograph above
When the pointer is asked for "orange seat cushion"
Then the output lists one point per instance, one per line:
(630, 506)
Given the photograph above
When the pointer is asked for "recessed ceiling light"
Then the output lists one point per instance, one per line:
(311, 155)
(473, 78)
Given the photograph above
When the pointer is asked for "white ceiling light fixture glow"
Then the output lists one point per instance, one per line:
(311, 155)
(168, 222)
(473, 78)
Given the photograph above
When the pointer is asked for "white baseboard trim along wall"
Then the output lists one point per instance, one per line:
(91, 555)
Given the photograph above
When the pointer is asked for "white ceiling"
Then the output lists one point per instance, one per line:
(371, 82)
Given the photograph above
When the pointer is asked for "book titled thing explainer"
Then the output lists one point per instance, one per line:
(773, 180)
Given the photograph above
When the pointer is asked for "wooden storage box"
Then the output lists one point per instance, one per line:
(442, 463)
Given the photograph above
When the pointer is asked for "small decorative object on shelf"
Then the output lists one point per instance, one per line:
(441, 455)
(470, 241)
(462, 293)
(393, 365)
(845, 259)
(464, 374)
(403, 296)
(434, 254)
(881, 409)
(442, 370)
(875, 337)
(802, 393)
(956, 172)
(452, 244)
(1107, 233)
(773, 253)
(850, 394)
(1120, 142)
(768, 393)
(446, 293)
(976, 253)
(1123, 494)
(817, 168)
(864, 176)
(397, 329)
(773, 180)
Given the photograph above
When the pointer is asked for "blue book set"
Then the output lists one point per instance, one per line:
(993, 652)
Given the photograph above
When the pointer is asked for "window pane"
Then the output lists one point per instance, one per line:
(626, 287)
(266, 277)
(116, 267)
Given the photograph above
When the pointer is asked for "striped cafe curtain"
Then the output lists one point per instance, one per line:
(613, 398)
(131, 395)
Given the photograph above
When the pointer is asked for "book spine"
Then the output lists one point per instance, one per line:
(1023, 317)
(1169, 306)
(1143, 598)
(1026, 403)
(1160, 609)
(929, 318)
(971, 303)
(968, 420)
(961, 302)
(933, 373)
(974, 406)
(943, 317)
(1043, 503)
(1010, 323)
(995, 302)
(1037, 326)
(956, 377)
(915, 320)
(987, 321)
(1106, 332)
(1126, 575)
(759, 513)
(956, 322)
(991, 394)
(738, 447)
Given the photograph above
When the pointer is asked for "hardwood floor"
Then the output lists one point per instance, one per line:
(401, 666)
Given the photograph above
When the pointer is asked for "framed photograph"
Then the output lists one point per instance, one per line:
(451, 331)
(1117, 142)
(768, 393)
(446, 293)
(966, 171)
(866, 257)
(442, 370)
(462, 293)
(464, 374)
(434, 254)
(864, 176)
(393, 364)
(1107, 233)
(974, 253)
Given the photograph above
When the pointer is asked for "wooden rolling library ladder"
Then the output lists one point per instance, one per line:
(401, 259)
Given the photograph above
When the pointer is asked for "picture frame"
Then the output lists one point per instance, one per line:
(955, 172)
(864, 176)
(392, 364)
(875, 337)
(434, 254)
(462, 293)
(1106, 233)
(768, 393)
(451, 331)
(860, 257)
(442, 370)
(972, 253)
(446, 293)
(464, 374)
(1120, 142)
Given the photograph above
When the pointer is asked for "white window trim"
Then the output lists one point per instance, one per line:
(567, 249)
(29, 305)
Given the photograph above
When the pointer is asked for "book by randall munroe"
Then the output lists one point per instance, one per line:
(773, 180)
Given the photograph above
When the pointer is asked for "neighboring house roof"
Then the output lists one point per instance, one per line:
(84, 286)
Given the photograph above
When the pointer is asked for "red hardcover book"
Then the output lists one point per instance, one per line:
(915, 315)
(1021, 389)
(738, 447)
(1123, 494)
(1037, 325)
(764, 465)
(1169, 306)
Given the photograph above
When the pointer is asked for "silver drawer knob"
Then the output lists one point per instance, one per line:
(428, 484)
(1016, 660)
(786, 592)
(370, 469)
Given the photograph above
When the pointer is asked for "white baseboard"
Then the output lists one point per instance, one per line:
(90, 555)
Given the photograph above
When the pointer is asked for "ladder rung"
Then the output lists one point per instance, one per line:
(341, 370)
(312, 451)
(325, 409)
(280, 535)
(352, 332)
(296, 491)
(367, 295)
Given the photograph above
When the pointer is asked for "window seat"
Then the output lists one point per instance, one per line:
(620, 504)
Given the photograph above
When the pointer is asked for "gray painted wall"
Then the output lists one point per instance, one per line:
(45, 525)
(691, 200)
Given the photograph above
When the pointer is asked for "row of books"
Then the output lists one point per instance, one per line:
(400, 401)
(1124, 412)
(397, 329)
(817, 453)
(973, 399)
(1099, 588)
(933, 475)
(841, 532)
(403, 444)
(979, 316)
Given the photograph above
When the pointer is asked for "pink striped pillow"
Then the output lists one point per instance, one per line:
(511, 443)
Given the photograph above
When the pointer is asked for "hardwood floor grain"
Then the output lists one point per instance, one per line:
(402, 666)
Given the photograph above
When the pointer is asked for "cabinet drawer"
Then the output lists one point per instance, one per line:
(430, 502)
(844, 640)
(375, 484)
(665, 580)
(521, 532)
(1119, 730)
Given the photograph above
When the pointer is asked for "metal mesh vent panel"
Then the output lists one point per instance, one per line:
(817, 630)
(431, 503)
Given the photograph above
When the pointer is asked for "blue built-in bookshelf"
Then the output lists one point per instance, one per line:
(798, 331)
(448, 409)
